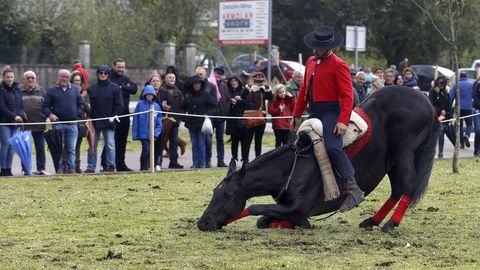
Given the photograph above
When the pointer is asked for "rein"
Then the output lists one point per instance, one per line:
(297, 154)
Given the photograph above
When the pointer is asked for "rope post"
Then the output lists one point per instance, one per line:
(152, 139)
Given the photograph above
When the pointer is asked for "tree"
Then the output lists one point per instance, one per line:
(453, 10)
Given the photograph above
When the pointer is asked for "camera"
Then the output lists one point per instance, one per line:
(258, 80)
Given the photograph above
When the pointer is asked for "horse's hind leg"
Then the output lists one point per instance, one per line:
(400, 177)
(376, 219)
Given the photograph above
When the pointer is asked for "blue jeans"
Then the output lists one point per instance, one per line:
(6, 151)
(69, 134)
(198, 147)
(328, 113)
(109, 142)
(145, 154)
(219, 129)
(39, 141)
(468, 122)
(476, 124)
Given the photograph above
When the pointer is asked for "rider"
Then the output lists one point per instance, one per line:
(327, 89)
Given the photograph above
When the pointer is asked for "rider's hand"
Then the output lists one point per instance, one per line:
(340, 129)
(294, 124)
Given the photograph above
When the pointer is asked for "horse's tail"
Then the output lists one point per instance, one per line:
(424, 157)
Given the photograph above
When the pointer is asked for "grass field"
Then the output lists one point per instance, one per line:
(143, 221)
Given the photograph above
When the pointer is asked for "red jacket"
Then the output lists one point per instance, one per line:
(332, 82)
(274, 110)
(79, 68)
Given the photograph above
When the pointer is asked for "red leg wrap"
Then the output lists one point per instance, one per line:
(384, 210)
(286, 224)
(401, 209)
(243, 214)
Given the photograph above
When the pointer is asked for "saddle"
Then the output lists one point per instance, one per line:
(356, 128)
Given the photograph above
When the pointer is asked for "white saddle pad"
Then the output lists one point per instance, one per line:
(356, 128)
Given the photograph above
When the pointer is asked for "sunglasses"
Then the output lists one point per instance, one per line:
(102, 73)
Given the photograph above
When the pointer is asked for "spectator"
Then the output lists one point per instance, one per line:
(219, 123)
(178, 82)
(211, 89)
(466, 107)
(175, 103)
(77, 66)
(237, 107)
(106, 101)
(11, 111)
(33, 96)
(440, 100)
(141, 125)
(360, 87)
(377, 80)
(476, 118)
(255, 94)
(398, 79)
(368, 77)
(410, 79)
(63, 102)
(197, 102)
(389, 77)
(255, 67)
(403, 64)
(79, 82)
(282, 105)
(295, 83)
(155, 81)
(127, 88)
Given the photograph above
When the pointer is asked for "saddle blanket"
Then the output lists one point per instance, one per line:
(356, 128)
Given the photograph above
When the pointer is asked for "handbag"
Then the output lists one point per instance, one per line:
(258, 119)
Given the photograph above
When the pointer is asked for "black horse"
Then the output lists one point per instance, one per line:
(404, 132)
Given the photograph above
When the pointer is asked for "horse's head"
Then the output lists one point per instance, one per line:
(228, 201)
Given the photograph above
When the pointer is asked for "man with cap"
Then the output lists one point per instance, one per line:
(223, 110)
(106, 101)
(327, 89)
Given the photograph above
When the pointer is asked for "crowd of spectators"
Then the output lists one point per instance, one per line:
(72, 98)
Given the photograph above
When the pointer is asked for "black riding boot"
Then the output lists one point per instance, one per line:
(353, 195)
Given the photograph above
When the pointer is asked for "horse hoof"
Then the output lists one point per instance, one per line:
(368, 223)
(389, 226)
(263, 222)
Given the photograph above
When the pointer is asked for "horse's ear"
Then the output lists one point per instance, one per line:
(231, 166)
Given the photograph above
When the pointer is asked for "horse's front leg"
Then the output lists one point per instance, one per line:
(272, 213)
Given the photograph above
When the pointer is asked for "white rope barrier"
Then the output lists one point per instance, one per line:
(117, 118)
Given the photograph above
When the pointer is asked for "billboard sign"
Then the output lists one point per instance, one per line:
(243, 22)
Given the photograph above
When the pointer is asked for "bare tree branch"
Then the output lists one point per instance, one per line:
(429, 14)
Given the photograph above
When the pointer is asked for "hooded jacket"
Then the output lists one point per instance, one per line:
(11, 104)
(198, 103)
(105, 101)
(233, 126)
(141, 122)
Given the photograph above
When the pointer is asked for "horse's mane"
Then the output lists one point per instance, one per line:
(269, 156)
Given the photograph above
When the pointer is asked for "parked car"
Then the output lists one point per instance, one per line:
(476, 64)
(426, 74)
(471, 73)
(244, 61)
(287, 68)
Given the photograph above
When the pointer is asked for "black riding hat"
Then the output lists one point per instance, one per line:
(323, 38)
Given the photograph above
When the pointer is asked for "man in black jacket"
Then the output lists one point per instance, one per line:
(476, 118)
(106, 101)
(127, 88)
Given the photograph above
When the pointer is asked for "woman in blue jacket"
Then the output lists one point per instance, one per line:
(141, 124)
(11, 111)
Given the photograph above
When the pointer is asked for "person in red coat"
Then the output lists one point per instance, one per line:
(282, 105)
(77, 66)
(327, 89)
